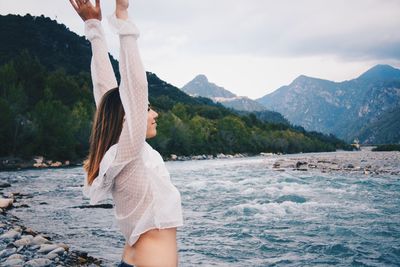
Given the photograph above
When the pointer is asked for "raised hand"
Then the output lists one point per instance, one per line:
(121, 9)
(122, 4)
(86, 10)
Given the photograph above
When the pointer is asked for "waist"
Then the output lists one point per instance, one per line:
(156, 247)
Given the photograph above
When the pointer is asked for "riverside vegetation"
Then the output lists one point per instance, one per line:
(46, 105)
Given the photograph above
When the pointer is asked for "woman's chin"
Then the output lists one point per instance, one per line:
(152, 134)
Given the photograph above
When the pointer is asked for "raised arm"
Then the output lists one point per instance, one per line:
(103, 76)
(133, 87)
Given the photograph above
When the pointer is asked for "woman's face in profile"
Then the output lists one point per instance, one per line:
(151, 123)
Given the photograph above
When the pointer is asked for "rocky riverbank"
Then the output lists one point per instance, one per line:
(21, 245)
(13, 163)
(365, 162)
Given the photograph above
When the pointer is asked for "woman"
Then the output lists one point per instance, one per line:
(120, 162)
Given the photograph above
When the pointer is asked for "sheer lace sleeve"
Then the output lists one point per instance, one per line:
(103, 76)
(133, 92)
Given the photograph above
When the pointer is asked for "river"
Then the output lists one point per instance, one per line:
(238, 212)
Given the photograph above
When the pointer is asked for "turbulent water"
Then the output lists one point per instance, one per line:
(238, 212)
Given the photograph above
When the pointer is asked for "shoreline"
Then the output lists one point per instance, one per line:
(365, 162)
(19, 164)
(20, 245)
(39, 162)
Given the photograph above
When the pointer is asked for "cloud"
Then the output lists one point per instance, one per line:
(355, 29)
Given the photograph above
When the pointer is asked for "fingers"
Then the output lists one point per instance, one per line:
(74, 5)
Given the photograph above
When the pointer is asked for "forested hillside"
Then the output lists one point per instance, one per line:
(46, 104)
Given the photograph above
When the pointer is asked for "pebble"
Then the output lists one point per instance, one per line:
(4, 184)
(58, 251)
(7, 252)
(46, 248)
(64, 246)
(6, 202)
(13, 263)
(16, 256)
(51, 256)
(11, 234)
(23, 241)
(39, 240)
(40, 262)
(34, 247)
(30, 231)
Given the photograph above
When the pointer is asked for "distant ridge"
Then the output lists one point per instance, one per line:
(201, 86)
(346, 109)
(380, 72)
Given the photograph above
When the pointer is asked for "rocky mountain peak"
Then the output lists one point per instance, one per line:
(380, 72)
(201, 78)
(200, 86)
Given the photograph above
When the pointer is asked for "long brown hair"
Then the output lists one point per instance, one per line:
(106, 129)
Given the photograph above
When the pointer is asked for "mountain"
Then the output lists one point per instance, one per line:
(37, 36)
(346, 109)
(200, 86)
(57, 47)
(46, 104)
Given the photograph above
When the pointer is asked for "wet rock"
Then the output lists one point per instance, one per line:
(300, 163)
(6, 202)
(22, 206)
(4, 184)
(39, 240)
(101, 206)
(30, 231)
(56, 164)
(64, 246)
(34, 247)
(25, 241)
(51, 256)
(7, 252)
(58, 251)
(46, 248)
(11, 234)
(16, 256)
(18, 229)
(41, 262)
(13, 263)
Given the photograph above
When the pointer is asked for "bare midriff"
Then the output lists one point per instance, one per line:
(154, 248)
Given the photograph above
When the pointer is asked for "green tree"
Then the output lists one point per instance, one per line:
(55, 135)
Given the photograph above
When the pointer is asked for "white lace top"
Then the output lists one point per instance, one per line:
(131, 170)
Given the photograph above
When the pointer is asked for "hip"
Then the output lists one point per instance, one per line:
(156, 247)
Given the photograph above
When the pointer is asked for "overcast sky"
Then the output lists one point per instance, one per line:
(250, 47)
